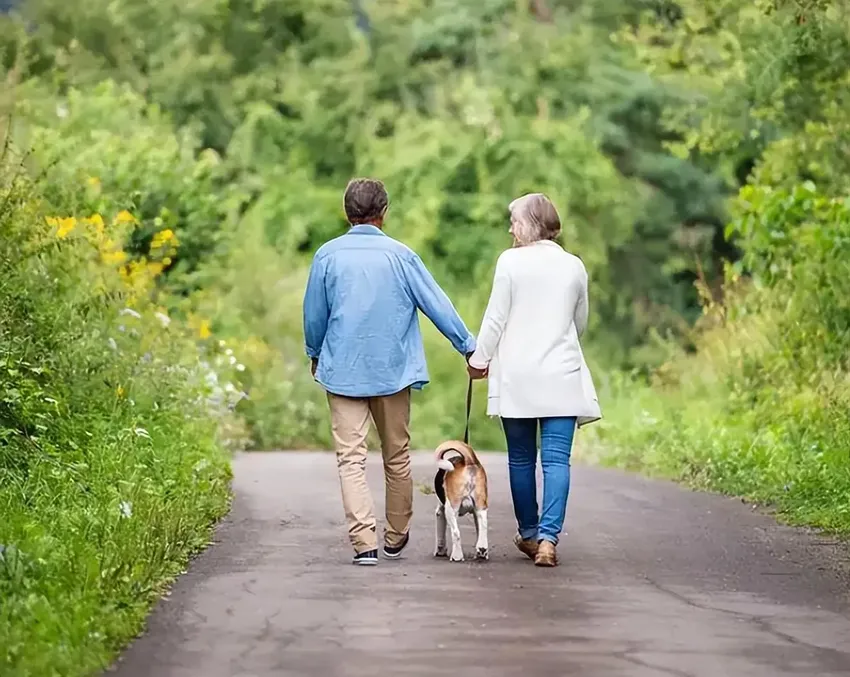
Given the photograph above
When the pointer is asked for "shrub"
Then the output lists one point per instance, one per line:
(112, 464)
(762, 409)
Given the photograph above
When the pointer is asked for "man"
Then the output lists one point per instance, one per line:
(362, 336)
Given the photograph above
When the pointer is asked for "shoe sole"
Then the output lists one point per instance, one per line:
(527, 553)
(390, 555)
(365, 562)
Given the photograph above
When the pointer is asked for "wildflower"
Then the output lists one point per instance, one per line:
(131, 313)
(52, 221)
(119, 391)
(126, 509)
(114, 258)
(93, 182)
(240, 367)
(162, 238)
(65, 226)
(97, 221)
(204, 330)
(125, 217)
(163, 319)
(155, 268)
(61, 111)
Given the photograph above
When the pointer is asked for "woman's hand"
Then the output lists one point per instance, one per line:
(476, 374)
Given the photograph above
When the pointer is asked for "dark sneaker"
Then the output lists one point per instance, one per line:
(394, 551)
(366, 559)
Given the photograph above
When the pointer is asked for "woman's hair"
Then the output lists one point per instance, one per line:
(534, 218)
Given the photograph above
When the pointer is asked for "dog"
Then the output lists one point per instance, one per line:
(461, 486)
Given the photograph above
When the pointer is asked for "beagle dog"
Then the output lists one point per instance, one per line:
(461, 486)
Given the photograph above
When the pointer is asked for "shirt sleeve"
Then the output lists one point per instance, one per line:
(495, 318)
(316, 310)
(433, 302)
(581, 309)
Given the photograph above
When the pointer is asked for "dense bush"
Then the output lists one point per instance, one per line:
(112, 464)
(762, 409)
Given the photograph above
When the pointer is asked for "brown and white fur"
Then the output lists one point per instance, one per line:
(461, 486)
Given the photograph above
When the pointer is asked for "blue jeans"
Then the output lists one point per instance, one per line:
(556, 442)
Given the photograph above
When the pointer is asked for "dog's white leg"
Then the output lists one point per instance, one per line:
(482, 547)
(440, 549)
(451, 518)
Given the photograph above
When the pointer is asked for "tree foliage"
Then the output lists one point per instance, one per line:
(640, 118)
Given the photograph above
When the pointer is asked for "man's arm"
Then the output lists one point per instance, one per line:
(432, 301)
(316, 311)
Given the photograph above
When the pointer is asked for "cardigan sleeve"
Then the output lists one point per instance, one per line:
(495, 317)
(581, 310)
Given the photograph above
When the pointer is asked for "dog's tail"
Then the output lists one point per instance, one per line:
(451, 455)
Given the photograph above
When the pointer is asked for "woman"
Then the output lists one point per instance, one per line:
(529, 349)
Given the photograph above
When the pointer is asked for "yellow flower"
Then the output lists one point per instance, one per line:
(93, 182)
(155, 268)
(204, 330)
(119, 391)
(162, 238)
(97, 221)
(114, 258)
(65, 226)
(125, 217)
(52, 221)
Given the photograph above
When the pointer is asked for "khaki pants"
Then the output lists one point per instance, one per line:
(350, 425)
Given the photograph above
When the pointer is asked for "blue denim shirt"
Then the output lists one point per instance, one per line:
(360, 318)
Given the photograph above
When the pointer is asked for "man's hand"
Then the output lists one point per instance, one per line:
(314, 363)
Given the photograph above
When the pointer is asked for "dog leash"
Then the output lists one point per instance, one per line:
(468, 411)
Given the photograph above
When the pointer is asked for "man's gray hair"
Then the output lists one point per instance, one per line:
(534, 218)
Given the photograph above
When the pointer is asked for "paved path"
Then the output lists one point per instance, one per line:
(656, 581)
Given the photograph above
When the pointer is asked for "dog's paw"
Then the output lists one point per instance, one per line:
(482, 553)
(441, 552)
(457, 556)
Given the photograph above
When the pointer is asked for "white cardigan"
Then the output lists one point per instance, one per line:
(529, 336)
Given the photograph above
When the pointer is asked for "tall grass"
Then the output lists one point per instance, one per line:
(112, 458)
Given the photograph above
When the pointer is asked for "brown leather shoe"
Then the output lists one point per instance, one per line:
(526, 547)
(546, 556)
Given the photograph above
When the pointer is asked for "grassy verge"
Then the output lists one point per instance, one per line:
(112, 459)
(795, 464)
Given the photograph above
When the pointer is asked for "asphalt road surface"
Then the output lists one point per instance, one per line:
(655, 581)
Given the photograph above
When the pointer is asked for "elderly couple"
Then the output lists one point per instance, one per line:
(362, 337)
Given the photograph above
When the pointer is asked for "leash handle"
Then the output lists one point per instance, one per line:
(468, 411)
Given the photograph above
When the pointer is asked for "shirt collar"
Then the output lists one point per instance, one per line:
(365, 229)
